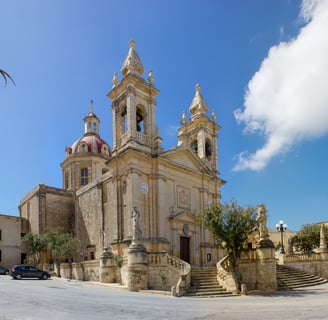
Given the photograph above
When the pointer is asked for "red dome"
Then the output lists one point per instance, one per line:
(92, 144)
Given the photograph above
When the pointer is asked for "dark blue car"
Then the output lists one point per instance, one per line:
(25, 271)
(4, 270)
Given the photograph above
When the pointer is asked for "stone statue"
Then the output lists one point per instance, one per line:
(136, 231)
(262, 221)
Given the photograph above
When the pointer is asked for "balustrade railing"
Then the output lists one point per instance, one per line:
(182, 267)
(303, 257)
(224, 274)
(249, 255)
(141, 137)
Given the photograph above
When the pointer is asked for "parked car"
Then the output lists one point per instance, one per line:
(25, 271)
(4, 270)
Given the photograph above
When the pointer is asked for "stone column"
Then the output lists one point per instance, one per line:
(266, 271)
(137, 257)
(323, 250)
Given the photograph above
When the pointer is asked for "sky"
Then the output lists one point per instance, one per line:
(262, 66)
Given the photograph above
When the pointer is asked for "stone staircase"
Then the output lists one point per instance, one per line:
(289, 278)
(204, 283)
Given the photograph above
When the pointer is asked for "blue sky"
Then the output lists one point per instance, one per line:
(262, 66)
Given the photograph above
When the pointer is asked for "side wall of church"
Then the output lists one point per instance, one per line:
(59, 211)
(10, 244)
(89, 220)
(45, 208)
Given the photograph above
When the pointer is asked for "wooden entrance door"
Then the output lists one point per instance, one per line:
(185, 249)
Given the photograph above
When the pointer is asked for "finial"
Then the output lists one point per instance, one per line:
(213, 115)
(132, 43)
(132, 63)
(115, 80)
(150, 77)
(91, 106)
(183, 118)
(198, 105)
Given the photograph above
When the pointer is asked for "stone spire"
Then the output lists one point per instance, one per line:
(198, 105)
(132, 63)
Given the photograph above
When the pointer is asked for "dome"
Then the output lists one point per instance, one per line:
(90, 144)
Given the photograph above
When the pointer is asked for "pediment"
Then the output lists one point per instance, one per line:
(184, 217)
(185, 157)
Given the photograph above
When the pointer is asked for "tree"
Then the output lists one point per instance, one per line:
(230, 224)
(307, 239)
(6, 76)
(71, 248)
(55, 240)
(36, 245)
(62, 246)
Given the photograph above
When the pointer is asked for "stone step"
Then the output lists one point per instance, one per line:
(204, 284)
(289, 278)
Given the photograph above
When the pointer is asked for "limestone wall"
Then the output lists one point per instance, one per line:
(84, 271)
(10, 245)
(46, 207)
(89, 225)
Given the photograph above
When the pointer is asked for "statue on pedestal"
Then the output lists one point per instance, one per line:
(262, 221)
(136, 231)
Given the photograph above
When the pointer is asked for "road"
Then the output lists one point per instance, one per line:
(61, 299)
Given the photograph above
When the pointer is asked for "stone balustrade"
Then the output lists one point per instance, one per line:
(224, 275)
(168, 273)
(303, 257)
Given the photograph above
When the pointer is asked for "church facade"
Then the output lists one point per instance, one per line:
(104, 184)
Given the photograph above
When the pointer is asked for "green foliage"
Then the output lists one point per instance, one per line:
(118, 261)
(71, 246)
(307, 239)
(36, 244)
(62, 245)
(230, 224)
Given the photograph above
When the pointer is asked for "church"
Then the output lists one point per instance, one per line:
(103, 184)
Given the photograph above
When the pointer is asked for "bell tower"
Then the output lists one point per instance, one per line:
(133, 108)
(200, 132)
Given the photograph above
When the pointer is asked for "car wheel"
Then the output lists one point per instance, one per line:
(18, 276)
(44, 277)
(7, 272)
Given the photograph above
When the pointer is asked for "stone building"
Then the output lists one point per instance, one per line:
(103, 184)
(10, 245)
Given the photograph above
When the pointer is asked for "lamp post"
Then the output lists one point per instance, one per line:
(281, 227)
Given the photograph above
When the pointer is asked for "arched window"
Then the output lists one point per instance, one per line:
(124, 120)
(208, 148)
(84, 177)
(89, 126)
(194, 146)
(140, 121)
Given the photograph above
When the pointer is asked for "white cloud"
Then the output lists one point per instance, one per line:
(287, 99)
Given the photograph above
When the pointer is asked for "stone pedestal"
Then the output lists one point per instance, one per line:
(107, 267)
(266, 271)
(323, 250)
(137, 267)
